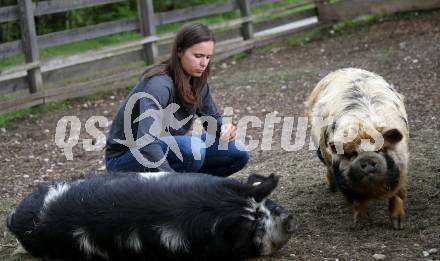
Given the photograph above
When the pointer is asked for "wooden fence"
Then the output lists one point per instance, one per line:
(37, 82)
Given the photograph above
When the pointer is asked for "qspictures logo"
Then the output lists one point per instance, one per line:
(68, 131)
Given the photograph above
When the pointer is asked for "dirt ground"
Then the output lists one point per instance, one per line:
(405, 50)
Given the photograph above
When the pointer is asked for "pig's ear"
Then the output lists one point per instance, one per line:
(261, 189)
(255, 179)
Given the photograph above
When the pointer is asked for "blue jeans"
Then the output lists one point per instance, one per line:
(198, 156)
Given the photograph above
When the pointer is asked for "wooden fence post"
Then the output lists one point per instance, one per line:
(147, 25)
(247, 28)
(30, 44)
(319, 7)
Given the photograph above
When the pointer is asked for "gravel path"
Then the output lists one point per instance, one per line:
(404, 50)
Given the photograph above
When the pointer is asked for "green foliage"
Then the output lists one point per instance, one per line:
(85, 17)
(7, 2)
(167, 5)
(9, 31)
(46, 24)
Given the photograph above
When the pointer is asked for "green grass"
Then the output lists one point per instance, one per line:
(22, 113)
(264, 8)
(11, 61)
(316, 33)
(73, 48)
(78, 47)
(359, 21)
(240, 56)
(298, 38)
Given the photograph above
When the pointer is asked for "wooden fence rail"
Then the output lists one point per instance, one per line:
(108, 28)
(54, 65)
(252, 32)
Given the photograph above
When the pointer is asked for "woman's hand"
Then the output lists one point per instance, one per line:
(229, 132)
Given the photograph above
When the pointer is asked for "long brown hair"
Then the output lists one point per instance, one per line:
(187, 36)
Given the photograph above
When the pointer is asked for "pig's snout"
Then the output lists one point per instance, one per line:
(368, 165)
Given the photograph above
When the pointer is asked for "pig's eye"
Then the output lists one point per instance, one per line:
(351, 155)
(259, 215)
(276, 211)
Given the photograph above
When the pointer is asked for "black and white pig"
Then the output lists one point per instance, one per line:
(152, 216)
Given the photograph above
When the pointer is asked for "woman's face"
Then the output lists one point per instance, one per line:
(195, 59)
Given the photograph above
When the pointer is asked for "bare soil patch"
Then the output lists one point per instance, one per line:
(405, 50)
